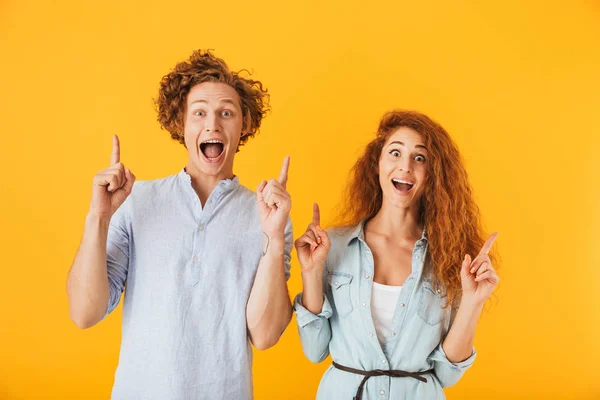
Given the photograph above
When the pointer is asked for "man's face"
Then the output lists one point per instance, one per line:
(213, 126)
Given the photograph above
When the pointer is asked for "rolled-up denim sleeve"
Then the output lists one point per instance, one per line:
(447, 372)
(117, 256)
(314, 330)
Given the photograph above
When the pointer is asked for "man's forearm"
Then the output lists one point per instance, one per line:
(269, 310)
(87, 283)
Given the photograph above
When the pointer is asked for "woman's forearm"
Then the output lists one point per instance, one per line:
(458, 344)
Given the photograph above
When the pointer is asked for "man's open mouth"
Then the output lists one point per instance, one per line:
(212, 149)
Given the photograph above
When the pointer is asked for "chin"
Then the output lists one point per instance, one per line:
(403, 201)
(401, 204)
(209, 170)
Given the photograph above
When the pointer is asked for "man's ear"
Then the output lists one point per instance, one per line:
(246, 124)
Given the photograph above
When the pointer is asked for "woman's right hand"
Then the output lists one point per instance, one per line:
(111, 185)
(313, 246)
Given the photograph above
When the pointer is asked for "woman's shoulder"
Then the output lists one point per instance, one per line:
(342, 235)
(341, 238)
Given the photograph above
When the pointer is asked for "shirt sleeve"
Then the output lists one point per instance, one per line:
(117, 256)
(314, 330)
(447, 372)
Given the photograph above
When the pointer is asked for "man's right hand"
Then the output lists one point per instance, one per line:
(111, 185)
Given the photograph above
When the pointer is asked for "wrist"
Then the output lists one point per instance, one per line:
(275, 233)
(314, 272)
(273, 244)
(97, 217)
(471, 302)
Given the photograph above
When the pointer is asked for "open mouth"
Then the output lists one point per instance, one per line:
(402, 185)
(212, 149)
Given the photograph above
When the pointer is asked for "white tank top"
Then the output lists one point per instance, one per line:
(383, 304)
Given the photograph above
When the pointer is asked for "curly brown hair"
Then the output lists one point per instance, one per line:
(448, 210)
(203, 66)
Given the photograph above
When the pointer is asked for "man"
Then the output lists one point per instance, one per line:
(205, 260)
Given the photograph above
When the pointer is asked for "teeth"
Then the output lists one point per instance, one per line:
(213, 141)
(401, 181)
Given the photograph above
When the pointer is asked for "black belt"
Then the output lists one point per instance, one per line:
(380, 372)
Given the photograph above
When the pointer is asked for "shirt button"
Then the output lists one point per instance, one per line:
(201, 227)
(336, 284)
(393, 333)
(364, 304)
(195, 259)
(384, 361)
(209, 201)
(371, 334)
(402, 305)
(367, 276)
(382, 392)
(411, 278)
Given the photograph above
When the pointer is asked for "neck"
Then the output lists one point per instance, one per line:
(399, 223)
(204, 184)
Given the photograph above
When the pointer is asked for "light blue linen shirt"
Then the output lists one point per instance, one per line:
(345, 329)
(188, 273)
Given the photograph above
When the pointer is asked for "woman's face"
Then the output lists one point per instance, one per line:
(403, 168)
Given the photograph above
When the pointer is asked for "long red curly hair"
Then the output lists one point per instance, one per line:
(448, 210)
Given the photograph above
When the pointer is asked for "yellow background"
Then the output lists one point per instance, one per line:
(517, 85)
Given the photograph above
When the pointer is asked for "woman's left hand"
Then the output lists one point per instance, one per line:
(478, 276)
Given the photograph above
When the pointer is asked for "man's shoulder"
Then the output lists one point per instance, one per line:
(246, 194)
(153, 189)
(141, 186)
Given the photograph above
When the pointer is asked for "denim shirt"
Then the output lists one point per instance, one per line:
(345, 329)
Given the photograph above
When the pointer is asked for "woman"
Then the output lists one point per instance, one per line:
(395, 296)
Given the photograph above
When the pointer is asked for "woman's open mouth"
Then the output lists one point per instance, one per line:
(402, 185)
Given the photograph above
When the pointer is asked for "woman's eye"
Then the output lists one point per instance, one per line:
(226, 113)
(395, 153)
(198, 113)
(420, 158)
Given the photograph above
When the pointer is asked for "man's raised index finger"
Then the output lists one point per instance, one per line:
(283, 175)
(316, 215)
(115, 156)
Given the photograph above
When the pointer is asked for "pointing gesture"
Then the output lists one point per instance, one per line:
(479, 278)
(115, 156)
(316, 215)
(283, 175)
(111, 185)
(274, 202)
(312, 247)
